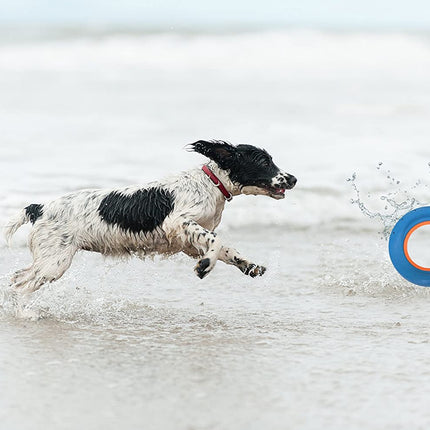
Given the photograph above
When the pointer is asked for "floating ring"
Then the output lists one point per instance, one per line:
(398, 246)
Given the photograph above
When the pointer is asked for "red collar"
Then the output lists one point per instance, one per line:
(217, 182)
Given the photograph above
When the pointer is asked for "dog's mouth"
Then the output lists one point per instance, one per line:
(275, 192)
(265, 190)
(278, 191)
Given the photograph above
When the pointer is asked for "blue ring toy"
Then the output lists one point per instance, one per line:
(398, 246)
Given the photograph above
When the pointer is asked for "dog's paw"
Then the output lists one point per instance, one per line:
(203, 267)
(254, 270)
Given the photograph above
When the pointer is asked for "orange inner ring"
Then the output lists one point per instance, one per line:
(405, 246)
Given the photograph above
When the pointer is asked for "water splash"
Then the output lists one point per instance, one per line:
(398, 202)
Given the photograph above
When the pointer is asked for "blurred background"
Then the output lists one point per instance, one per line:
(102, 93)
(98, 94)
(170, 14)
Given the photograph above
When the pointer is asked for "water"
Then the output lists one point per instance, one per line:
(330, 337)
(396, 202)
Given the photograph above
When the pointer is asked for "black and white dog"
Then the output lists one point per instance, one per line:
(177, 214)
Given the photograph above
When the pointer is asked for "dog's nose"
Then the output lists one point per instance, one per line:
(292, 180)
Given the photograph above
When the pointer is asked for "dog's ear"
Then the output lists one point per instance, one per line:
(221, 152)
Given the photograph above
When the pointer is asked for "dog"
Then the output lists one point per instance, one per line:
(178, 214)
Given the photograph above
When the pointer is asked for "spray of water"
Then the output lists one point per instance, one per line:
(398, 201)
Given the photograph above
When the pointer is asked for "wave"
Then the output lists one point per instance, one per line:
(288, 51)
(115, 108)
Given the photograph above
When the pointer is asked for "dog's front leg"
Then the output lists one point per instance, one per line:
(231, 256)
(206, 242)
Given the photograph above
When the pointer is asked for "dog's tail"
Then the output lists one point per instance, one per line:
(28, 214)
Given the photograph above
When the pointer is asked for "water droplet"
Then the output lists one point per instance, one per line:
(399, 202)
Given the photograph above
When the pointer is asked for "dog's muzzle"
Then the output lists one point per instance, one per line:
(284, 180)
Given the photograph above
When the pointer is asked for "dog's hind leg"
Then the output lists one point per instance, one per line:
(206, 242)
(45, 268)
(21, 273)
(231, 256)
(21, 279)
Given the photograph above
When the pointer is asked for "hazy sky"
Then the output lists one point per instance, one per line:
(219, 13)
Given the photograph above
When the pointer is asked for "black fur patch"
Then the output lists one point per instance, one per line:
(34, 212)
(139, 212)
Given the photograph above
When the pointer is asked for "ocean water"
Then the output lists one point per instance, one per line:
(330, 337)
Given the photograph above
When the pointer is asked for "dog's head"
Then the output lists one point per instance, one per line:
(251, 168)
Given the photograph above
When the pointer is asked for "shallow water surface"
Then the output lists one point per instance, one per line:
(147, 344)
(330, 337)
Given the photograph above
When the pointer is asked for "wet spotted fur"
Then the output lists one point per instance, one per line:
(178, 214)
